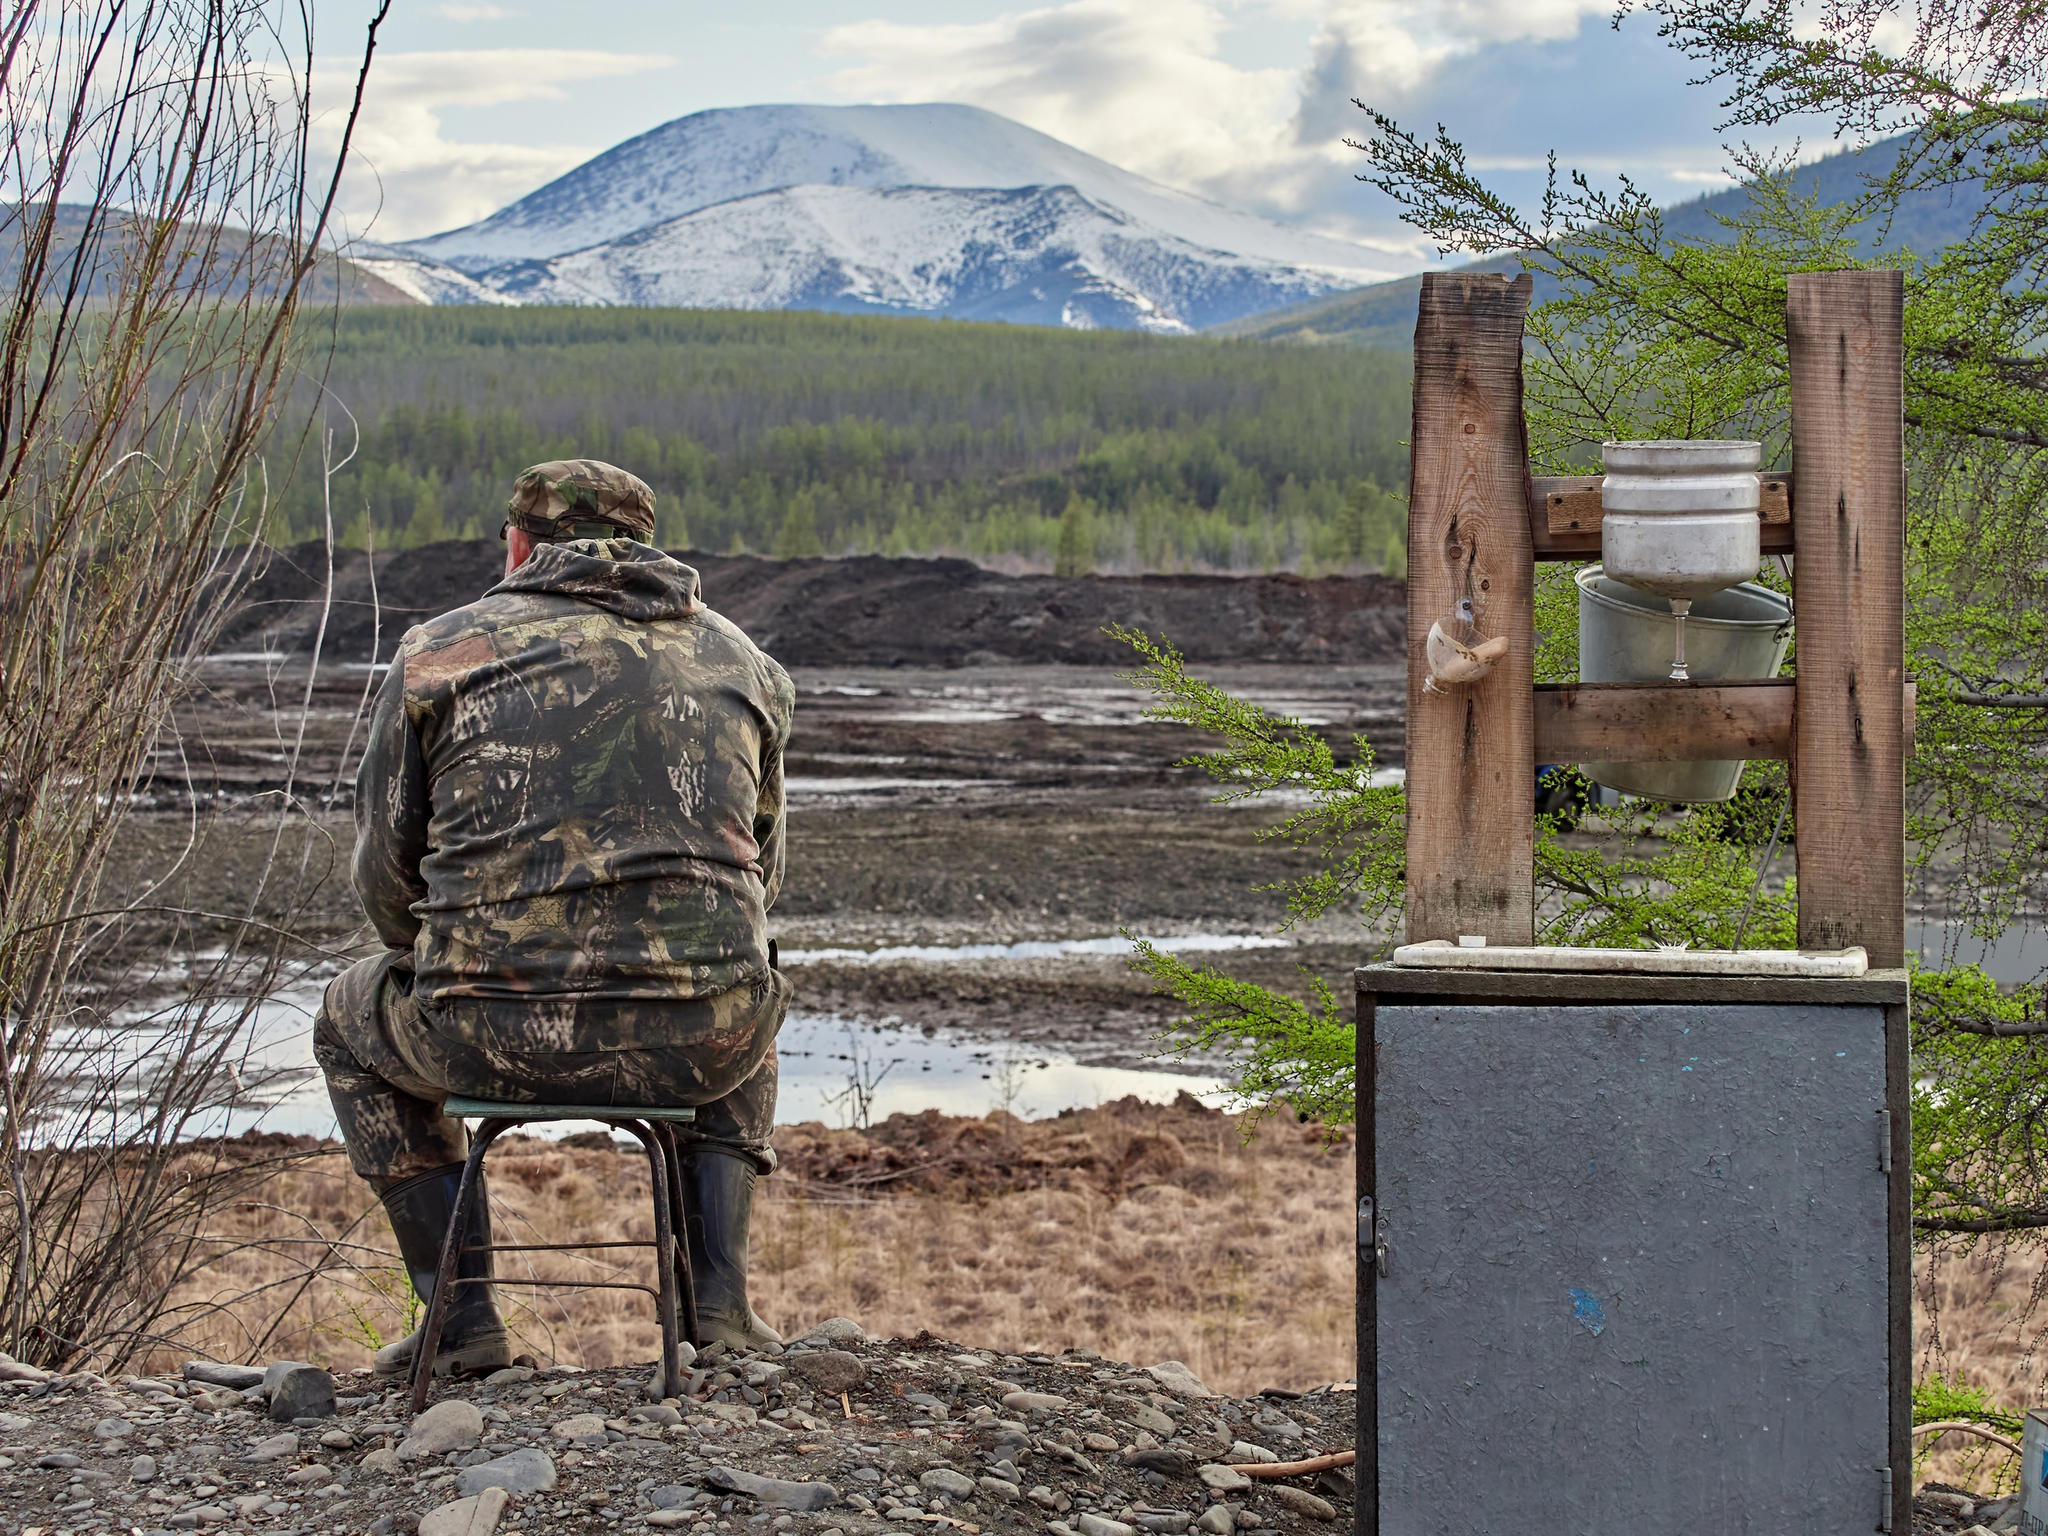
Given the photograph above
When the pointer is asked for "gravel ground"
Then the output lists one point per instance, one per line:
(929, 1436)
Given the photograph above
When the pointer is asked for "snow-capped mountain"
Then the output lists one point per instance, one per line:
(1032, 255)
(940, 210)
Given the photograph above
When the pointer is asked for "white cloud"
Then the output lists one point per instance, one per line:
(412, 180)
(1139, 82)
(1146, 84)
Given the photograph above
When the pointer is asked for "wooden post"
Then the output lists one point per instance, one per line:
(1471, 850)
(1849, 742)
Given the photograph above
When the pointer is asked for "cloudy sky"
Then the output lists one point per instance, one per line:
(476, 102)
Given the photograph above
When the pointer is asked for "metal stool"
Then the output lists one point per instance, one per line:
(677, 1293)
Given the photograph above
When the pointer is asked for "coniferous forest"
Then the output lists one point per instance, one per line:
(793, 433)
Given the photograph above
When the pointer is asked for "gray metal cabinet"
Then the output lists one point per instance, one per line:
(1634, 1254)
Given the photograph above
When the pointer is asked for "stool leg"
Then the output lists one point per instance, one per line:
(664, 1258)
(679, 1217)
(444, 1278)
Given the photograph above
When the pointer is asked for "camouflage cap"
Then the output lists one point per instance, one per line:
(551, 499)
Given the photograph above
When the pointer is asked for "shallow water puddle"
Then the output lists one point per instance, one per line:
(828, 1065)
(821, 788)
(1032, 949)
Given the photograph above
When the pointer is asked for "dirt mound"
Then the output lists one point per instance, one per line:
(1110, 1150)
(868, 610)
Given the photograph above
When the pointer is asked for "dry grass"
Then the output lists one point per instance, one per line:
(1145, 1232)
(1978, 1315)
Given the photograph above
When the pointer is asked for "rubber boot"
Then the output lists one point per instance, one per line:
(473, 1336)
(718, 1203)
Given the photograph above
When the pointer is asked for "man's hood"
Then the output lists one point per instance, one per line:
(635, 581)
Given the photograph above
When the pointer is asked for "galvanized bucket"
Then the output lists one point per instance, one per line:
(1735, 635)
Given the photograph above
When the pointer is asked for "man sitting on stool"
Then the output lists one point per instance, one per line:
(569, 830)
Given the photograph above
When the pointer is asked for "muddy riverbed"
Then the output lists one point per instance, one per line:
(969, 846)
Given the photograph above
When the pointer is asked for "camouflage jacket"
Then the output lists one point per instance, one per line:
(570, 808)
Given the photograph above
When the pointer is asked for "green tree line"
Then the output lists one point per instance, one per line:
(795, 434)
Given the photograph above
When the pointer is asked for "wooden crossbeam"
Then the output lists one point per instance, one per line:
(1665, 722)
(1564, 516)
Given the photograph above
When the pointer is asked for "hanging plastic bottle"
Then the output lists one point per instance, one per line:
(1457, 653)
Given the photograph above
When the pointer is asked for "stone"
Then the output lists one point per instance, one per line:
(1165, 1524)
(277, 1448)
(1146, 1417)
(302, 1392)
(1302, 1502)
(203, 1514)
(274, 1372)
(1099, 1525)
(1166, 1460)
(1178, 1379)
(1243, 1451)
(509, 1375)
(526, 1470)
(1217, 1520)
(773, 1492)
(945, 1480)
(338, 1440)
(453, 1425)
(236, 1378)
(477, 1516)
(1033, 1402)
(14, 1370)
(838, 1328)
(656, 1413)
(15, 1423)
(113, 1429)
(1097, 1441)
(1279, 1424)
(1218, 1478)
(382, 1462)
(60, 1460)
(578, 1425)
(312, 1476)
(732, 1413)
(672, 1496)
(142, 1470)
(997, 1488)
(831, 1371)
(668, 1519)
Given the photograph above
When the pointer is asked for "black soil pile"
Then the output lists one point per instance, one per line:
(1110, 1150)
(865, 610)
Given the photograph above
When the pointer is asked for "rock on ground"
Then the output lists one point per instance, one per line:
(466, 1517)
(1015, 1445)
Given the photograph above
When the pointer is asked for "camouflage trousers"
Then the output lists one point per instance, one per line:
(389, 1070)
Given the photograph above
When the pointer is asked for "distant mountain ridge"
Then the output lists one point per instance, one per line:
(1383, 314)
(934, 209)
